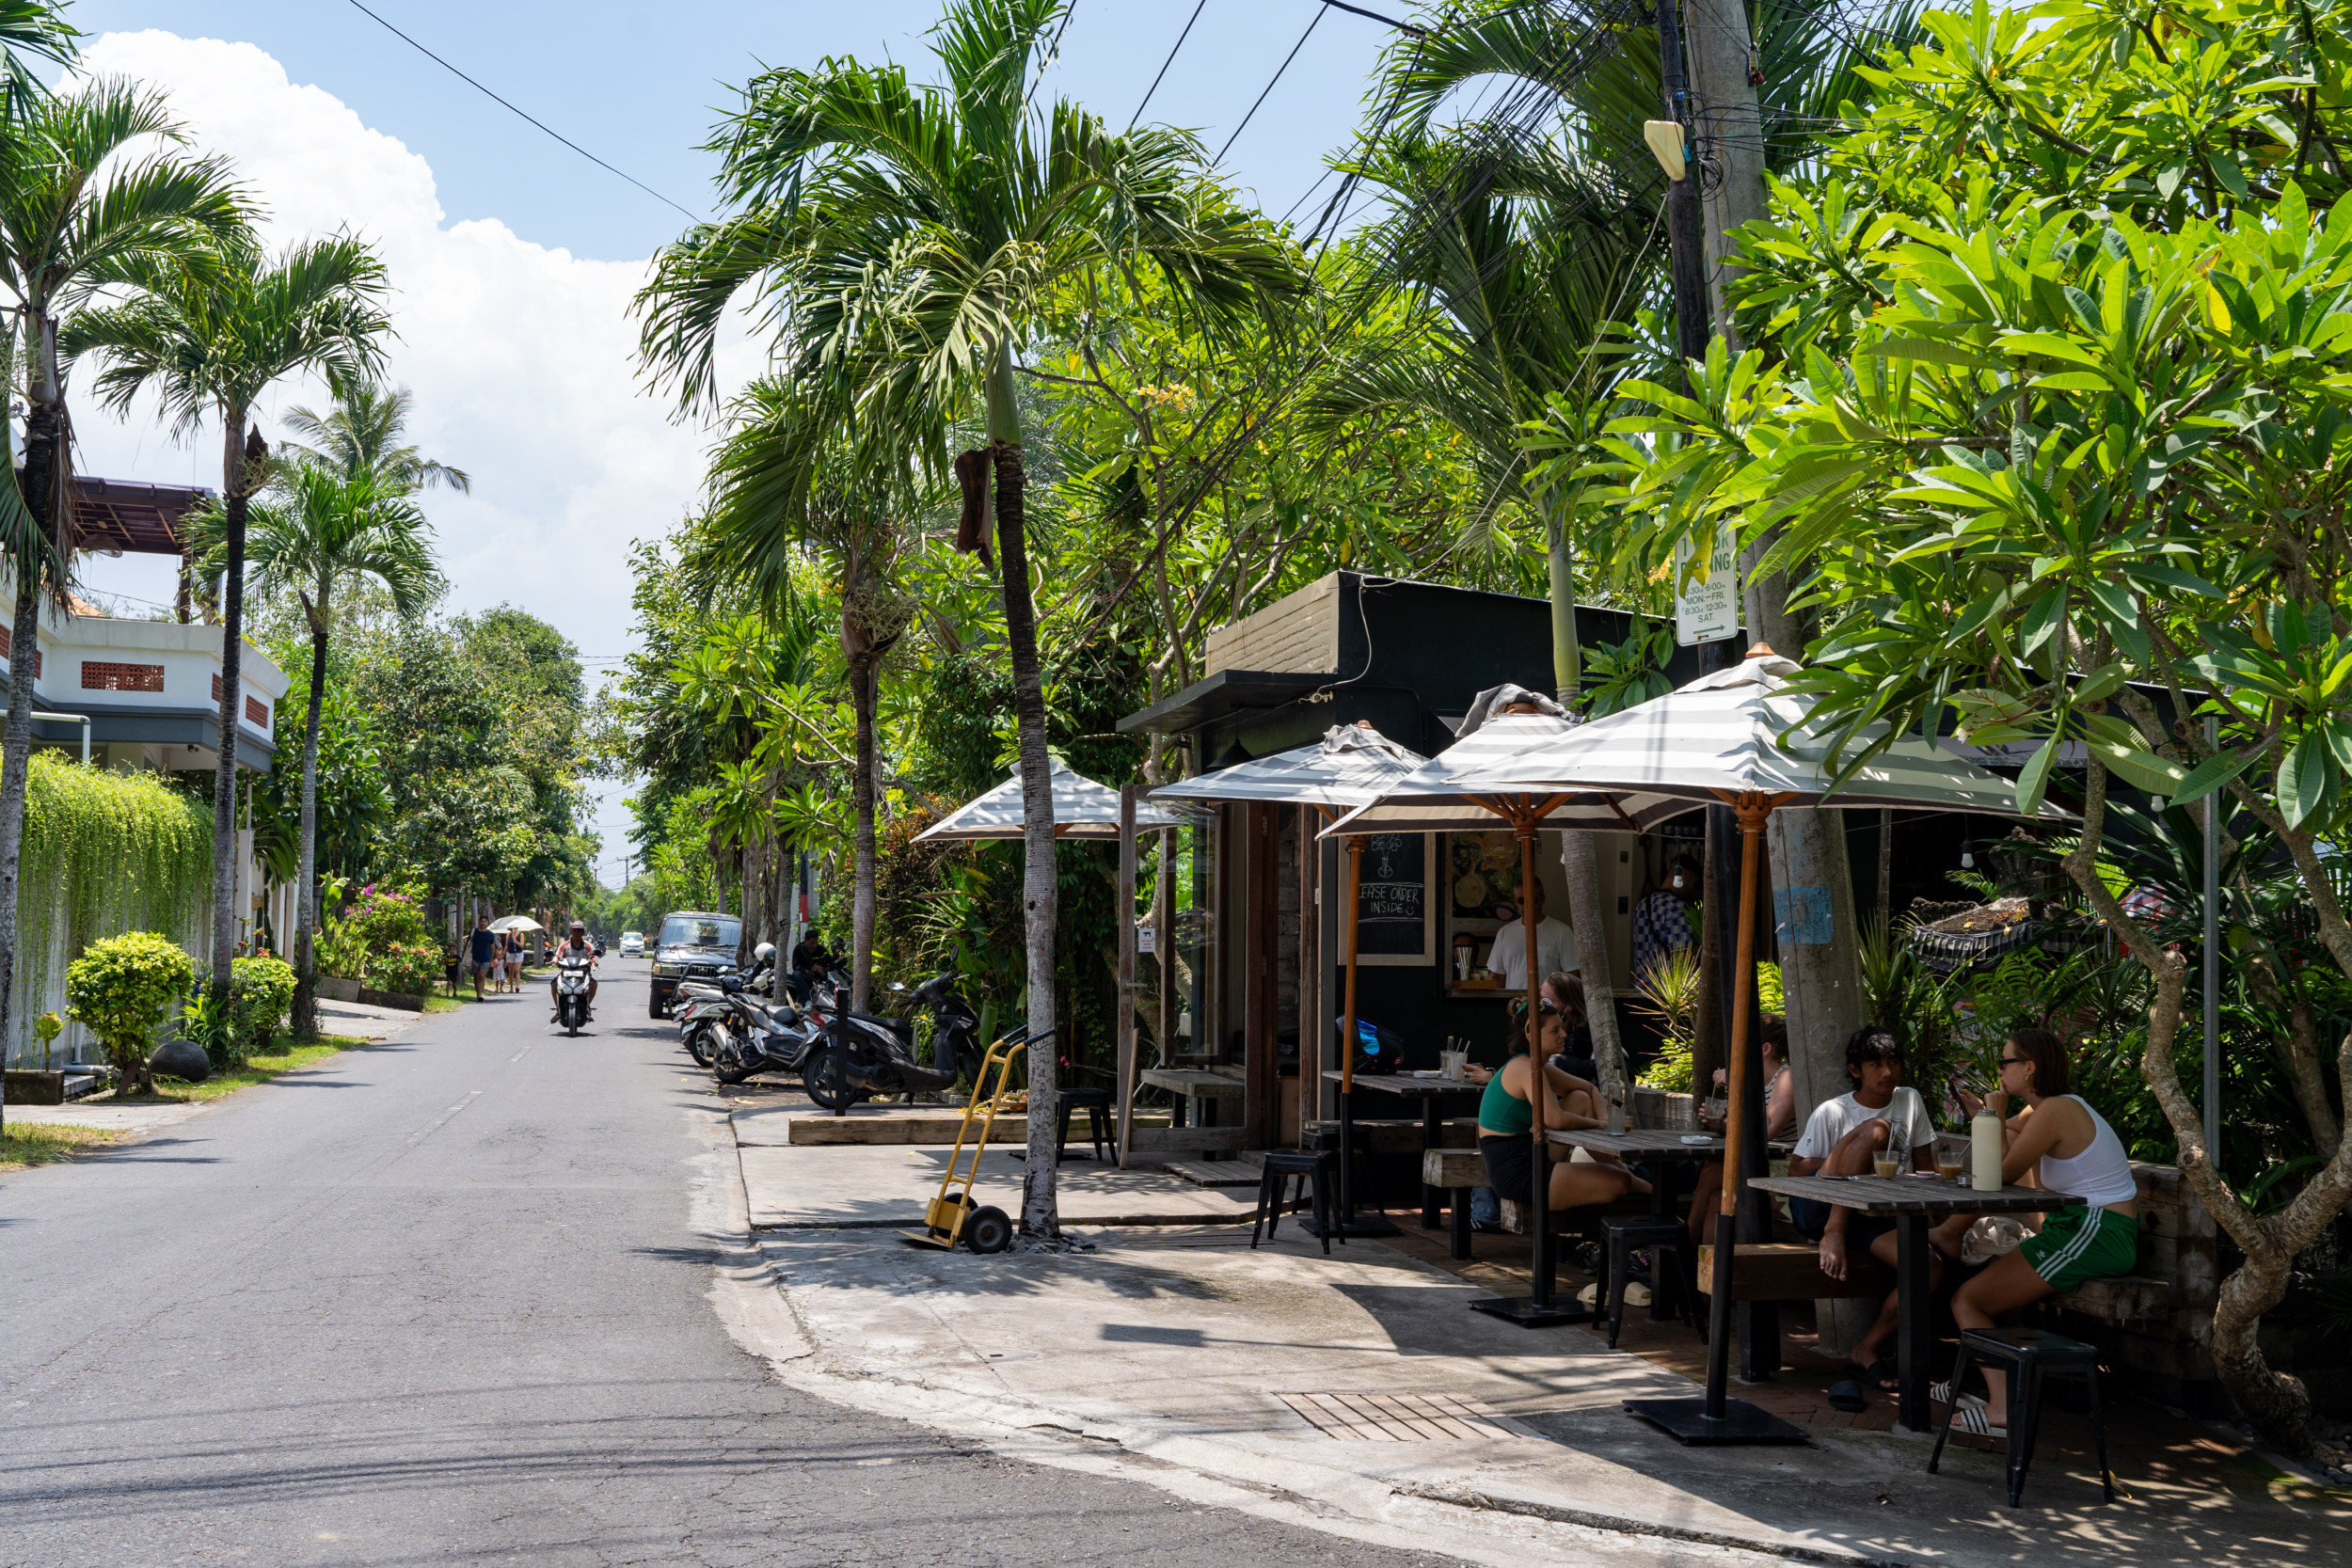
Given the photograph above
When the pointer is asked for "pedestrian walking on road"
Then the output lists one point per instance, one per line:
(484, 955)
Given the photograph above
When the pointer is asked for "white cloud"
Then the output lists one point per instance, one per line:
(521, 357)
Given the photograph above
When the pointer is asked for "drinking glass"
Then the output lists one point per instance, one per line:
(1886, 1166)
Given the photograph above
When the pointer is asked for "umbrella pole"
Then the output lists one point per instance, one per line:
(1734, 1124)
(1716, 1417)
(1535, 1310)
(1126, 973)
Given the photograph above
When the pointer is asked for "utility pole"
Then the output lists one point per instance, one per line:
(1812, 877)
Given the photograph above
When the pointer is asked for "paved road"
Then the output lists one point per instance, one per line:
(443, 1299)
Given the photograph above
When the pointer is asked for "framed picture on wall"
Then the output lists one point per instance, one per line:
(1396, 900)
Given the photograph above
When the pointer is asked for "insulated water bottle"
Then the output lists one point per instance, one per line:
(1984, 1149)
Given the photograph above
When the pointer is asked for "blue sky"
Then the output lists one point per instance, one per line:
(641, 95)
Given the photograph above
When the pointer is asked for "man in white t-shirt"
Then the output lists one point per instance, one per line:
(1880, 1119)
(1555, 950)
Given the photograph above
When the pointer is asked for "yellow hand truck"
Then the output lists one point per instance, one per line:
(947, 1220)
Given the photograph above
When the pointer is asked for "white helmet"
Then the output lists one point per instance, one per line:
(765, 952)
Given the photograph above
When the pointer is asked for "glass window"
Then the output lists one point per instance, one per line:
(701, 930)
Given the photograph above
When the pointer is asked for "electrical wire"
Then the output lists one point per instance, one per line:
(1313, 22)
(1053, 52)
(1165, 63)
(518, 113)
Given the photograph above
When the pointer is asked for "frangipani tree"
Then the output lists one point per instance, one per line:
(2035, 459)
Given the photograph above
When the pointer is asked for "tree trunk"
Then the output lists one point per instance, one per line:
(305, 997)
(864, 900)
(45, 460)
(1579, 859)
(236, 461)
(1040, 1213)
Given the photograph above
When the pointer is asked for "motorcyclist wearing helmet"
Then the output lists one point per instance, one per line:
(575, 945)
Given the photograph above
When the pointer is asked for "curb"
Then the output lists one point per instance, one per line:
(1486, 1502)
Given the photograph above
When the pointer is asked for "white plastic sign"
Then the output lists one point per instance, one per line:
(1707, 612)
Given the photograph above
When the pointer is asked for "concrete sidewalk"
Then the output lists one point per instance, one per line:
(1177, 1347)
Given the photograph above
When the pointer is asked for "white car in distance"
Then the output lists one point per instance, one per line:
(632, 944)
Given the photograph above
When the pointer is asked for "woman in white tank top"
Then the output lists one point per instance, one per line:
(2068, 1148)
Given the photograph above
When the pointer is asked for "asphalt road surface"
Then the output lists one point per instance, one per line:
(443, 1299)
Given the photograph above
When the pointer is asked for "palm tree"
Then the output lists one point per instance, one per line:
(208, 340)
(331, 532)
(904, 238)
(860, 520)
(361, 434)
(72, 208)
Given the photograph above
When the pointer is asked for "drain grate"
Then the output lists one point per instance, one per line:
(1401, 1417)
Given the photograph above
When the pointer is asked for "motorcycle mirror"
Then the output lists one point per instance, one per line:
(897, 985)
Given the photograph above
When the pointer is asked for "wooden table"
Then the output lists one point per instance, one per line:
(1428, 1091)
(1196, 1084)
(1655, 1144)
(1914, 1202)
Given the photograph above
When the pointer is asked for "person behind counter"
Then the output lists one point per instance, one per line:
(1555, 950)
(1506, 1117)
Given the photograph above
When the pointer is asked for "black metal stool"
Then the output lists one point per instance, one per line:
(1620, 1235)
(1318, 1168)
(1097, 1103)
(1326, 1140)
(2028, 1355)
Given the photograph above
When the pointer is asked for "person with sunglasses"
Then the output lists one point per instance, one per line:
(2058, 1142)
(1882, 1117)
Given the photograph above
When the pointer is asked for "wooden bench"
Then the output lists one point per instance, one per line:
(1458, 1170)
(1791, 1271)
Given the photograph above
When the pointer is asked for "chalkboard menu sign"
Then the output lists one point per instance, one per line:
(1392, 910)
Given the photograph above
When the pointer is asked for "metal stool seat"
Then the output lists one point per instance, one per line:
(1318, 1168)
(2028, 1355)
(1621, 1235)
(1097, 1104)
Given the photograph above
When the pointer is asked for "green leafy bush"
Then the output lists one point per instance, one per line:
(261, 994)
(119, 988)
(415, 968)
(377, 921)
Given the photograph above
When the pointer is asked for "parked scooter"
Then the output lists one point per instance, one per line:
(571, 990)
(860, 1055)
(751, 1034)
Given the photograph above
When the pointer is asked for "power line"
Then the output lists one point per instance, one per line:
(1052, 52)
(511, 109)
(1270, 86)
(1164, 64)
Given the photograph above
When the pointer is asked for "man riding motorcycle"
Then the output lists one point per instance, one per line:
(575, 944)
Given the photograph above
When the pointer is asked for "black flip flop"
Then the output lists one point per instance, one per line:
(1847, 1394)
(1881, 1375)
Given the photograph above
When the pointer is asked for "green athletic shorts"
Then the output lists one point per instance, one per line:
(2082, 1243)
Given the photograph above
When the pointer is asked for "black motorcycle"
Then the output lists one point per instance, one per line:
(753, 1034)
(857, 1056)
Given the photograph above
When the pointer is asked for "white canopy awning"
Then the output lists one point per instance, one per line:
(1082, 809)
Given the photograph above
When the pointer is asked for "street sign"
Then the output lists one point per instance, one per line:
(1707, 612)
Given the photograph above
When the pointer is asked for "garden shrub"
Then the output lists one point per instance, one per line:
(261, 994)
(378, 920)
(415, 968)
(119, 988)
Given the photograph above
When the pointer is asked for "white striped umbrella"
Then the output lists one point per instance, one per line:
(1739, 732)
(1082, 809)
(1473, 786)
(1741, 738)
(1352, 764)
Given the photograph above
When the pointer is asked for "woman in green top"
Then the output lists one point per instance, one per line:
(1504, 1121)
